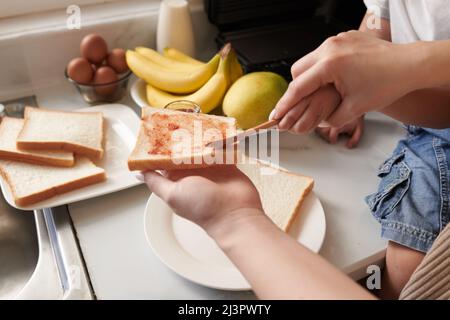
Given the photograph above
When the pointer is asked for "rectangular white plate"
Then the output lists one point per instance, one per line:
(121, 129)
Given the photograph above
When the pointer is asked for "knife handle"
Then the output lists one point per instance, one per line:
(264, 125)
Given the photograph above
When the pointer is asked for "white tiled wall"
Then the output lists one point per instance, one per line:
(31, 59)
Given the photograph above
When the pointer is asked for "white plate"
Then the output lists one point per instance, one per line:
(121, 129)
(189, 251)
(138, 94)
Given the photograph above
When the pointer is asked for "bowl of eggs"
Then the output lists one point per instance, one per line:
(99, 75)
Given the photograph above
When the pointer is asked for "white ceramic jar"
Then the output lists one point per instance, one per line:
(175, 27)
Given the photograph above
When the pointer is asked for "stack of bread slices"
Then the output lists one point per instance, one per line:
(50, 152)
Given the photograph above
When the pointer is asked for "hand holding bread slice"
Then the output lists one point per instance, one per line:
(154, 151)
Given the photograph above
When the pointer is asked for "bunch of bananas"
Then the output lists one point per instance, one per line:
(176, 76)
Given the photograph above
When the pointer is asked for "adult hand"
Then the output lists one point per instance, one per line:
(210, 197)
(368, 73)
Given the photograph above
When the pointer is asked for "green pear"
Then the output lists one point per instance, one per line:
(252, 97)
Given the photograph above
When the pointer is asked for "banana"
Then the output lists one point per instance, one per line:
(235, 67)
(180, 56)
(236, 70)
(171, 80)
(165, 62)
(207, 97)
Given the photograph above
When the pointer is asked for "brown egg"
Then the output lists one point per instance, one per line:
(80, 70)
(93, 47)
(105, 75)
(116, 59)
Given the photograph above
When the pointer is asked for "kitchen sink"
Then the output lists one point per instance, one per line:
(39, 255)
(19, 249)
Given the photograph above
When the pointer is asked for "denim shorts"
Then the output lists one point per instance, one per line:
(412, 201)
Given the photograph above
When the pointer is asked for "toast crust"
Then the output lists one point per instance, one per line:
(31, 109)
(37, 159)
(167, 164)
(299, 204)
(51, 192)
(95, 154)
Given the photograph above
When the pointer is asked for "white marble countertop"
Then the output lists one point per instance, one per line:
(121, 265)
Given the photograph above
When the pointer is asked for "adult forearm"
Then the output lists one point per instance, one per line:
(278, 267)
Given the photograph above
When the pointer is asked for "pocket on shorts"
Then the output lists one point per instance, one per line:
(395, 180)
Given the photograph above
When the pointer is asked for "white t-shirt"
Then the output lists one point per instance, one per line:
(414, 20)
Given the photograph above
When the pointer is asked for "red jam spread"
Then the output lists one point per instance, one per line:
(160, 128)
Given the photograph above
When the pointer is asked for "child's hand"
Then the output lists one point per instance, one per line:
(354, 130)
(309, 112)
(209, 197)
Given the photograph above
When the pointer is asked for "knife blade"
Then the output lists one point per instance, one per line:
(222, 143)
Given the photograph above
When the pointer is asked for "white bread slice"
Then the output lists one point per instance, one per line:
(153, 146)
(10, 129)
(282, 193)
(78, 132)
(31, 183)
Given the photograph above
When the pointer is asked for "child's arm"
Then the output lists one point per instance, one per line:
(410, 109)
(384, 30)
(224, 202)
(429, 107)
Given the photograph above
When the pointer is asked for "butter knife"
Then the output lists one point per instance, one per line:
(221, 143)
